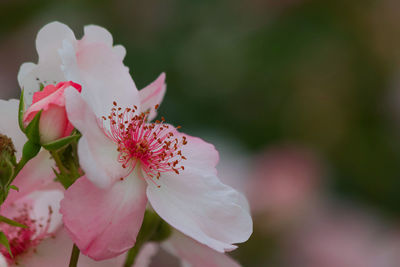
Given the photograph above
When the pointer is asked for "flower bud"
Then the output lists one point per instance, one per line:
(7, 160)
(54, 123)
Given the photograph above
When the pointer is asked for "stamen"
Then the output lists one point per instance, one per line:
(153, 145)
(23, 239)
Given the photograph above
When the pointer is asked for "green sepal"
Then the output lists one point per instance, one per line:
(59, 143)
(21, 111)
(11, 222)
(14, 188)
(32, 130)
(4, 242)
(30, 150)
(63, 179)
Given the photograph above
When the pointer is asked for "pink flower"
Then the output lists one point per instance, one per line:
(53, 122)
(341, 236)
(284, 185)
(37, 201)
(36, 204)
(128, 161)
(53, 42)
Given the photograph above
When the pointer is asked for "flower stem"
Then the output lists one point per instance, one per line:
(59, 164)
(150, 224)
(74, 256)
(131, 256)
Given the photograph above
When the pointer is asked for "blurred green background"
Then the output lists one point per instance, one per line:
(320, 74)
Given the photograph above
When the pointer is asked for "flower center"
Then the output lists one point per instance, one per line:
(22, 239)
(156, 146)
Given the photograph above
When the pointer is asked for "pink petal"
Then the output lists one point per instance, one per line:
(152, 95)
(104, 222)
(146, 253)
(97, 153)
(196, 203)
(56, 251)
(194, 254)
(36, 174)
(9, 124)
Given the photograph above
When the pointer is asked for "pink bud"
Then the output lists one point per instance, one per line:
(54, 123)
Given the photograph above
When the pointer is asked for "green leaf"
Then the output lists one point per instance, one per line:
(14, 188)
(11, 222)
(4, 242)
(41, 87)
(32, 130)
(21, 111)
(59, 143)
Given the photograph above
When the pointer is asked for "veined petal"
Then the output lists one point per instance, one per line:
(97, 153)
(104, 222)
(9, 124)
(200, 206)
(194, 254)
(152, 95)
(105, 79)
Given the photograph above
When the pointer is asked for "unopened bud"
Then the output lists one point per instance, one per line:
(7, 159)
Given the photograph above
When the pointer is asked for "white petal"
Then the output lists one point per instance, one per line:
(119, 51)
(3, 261)
(98, 158)
(200, 154)
(29, 85)
(97, 34)
(105, 79)
(47, 72)
(97, 153)
(42, 202)
(50, 38)
(194, 254)
(69, 62)
(9, 124)
(200, 206)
